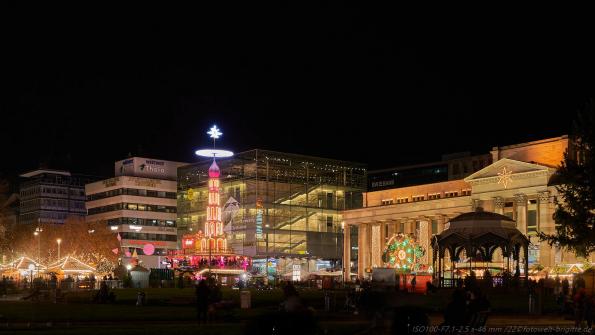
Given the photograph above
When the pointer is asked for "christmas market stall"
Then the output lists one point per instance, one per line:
(70, 266)
(23, 269)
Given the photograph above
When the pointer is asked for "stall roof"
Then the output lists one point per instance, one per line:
(23, 264)
(71, 264)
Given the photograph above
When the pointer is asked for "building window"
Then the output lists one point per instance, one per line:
(451, 194)
(418, 198)
(532, 217)
(402, 200)
(466, 192)
(434, 227)
(433, 196)
(329, 200)
(387, 202)
(401, 227)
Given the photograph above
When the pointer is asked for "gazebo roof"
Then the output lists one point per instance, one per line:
(473, 225)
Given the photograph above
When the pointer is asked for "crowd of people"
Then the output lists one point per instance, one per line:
(572, 301)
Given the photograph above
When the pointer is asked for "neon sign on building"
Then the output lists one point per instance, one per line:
(259, 212)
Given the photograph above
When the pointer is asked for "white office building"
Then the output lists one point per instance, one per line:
(139, 204)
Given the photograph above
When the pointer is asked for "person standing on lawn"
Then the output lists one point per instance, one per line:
(202, 300)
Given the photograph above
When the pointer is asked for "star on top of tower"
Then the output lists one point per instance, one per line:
(214, 132)
(504, 177)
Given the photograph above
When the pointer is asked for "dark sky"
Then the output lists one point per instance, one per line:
(346, 83)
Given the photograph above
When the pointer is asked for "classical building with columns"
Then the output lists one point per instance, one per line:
(517, 183)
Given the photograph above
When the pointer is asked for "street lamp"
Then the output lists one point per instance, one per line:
(59, 242)
(37, 233)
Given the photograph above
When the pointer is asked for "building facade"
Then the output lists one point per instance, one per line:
(280, 207)
(139, 204)
(517, 183)
(51, 196)
(452, 167)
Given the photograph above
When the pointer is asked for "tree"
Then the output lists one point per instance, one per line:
(91, 243)
(575, 214)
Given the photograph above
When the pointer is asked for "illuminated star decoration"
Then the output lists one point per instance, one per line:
(214, 133)
(504, 177)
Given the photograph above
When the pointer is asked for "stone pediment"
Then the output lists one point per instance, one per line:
(506, 171)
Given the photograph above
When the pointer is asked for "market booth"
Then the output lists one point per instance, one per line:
(140, 276)
(324, 279)
(23, 269)
(71, 270)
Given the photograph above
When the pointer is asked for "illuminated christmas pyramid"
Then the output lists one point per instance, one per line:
(213, 238)
(210, 245)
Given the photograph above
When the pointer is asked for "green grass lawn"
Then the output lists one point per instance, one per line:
(173, 310)
(176, 296)
(168, 304)
(168, 311)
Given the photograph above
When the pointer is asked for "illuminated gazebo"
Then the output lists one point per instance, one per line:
(479, 234)
(71, 266)
(23, 267)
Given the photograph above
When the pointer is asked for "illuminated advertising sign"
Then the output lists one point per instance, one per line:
(259, 212)
(156, 243)
(146, 167)
(188, 243)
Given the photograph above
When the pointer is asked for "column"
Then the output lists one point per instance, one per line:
(409, 226)
(383, 235)
(406, 226)
(375, 241)
(441, 219)
(363, 249)
(425, 233)
(399, 222)
(392, 229)
(499, 205)
(521, 212)
(346, 253)
(545, 224)
(369, 245)
(360, 250)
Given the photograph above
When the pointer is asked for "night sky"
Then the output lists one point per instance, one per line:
(335, 82)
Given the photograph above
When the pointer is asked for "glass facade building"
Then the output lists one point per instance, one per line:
(275, 205)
